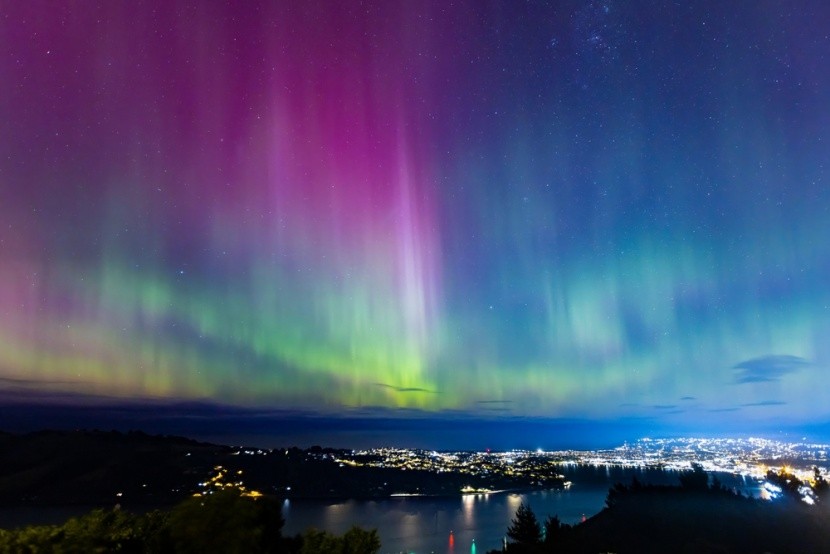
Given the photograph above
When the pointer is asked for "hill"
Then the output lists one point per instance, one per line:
(93, 467)
(679, 520)
(50, 468)
(692, 518)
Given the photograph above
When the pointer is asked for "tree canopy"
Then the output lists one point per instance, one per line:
(225, 522)
(524, 527)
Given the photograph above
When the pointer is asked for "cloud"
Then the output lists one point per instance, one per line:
(765, 403)
(21, 391)
(405, 389)
(664, 406)
(36, 384)
(688, 398)
(717, 410)
(767, 369)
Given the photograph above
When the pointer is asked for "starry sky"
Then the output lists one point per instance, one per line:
(515, 213)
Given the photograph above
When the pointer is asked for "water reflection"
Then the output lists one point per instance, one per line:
(334, 515)
(459, 525)
(468, 502)
(410, 526)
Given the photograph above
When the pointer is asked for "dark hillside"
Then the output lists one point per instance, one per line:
(692, 518)
(679, 520)
(57, 467)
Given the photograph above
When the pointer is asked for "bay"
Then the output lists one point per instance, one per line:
(473, 524)
(469, 524)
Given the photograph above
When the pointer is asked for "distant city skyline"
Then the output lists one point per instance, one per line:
(535, 222)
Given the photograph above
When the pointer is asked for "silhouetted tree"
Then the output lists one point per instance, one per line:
(551, 528)
(354, 541)
(820, 486)
(97, 531)
(789, 483)
(360, 541)
(614, 494)
(555, 531)
(320, 542)
(696, 479)
(226, 522)
(524, 529)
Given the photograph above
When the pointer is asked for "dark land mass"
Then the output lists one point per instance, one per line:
(93, 467)
(700, 521)
(692, 518)
(50, 468)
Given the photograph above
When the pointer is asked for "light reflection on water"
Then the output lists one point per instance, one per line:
(513, 502)
(424, 524)
(468, 502)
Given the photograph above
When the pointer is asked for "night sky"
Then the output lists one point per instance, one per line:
(405, 217)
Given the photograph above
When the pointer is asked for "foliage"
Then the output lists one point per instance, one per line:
(524, 527)
(225, 522)
(819, 485)
(98, 531)
(692, 517)
(614, 494)
(789, 483)
(354, 541)
(792, 487)
(552, 528)
(696, 479)
(555, 532)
